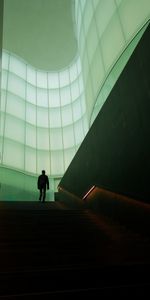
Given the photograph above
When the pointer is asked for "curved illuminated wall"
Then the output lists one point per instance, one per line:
(45, 115)
(105, 30)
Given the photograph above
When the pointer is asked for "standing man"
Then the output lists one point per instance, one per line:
(42, 183)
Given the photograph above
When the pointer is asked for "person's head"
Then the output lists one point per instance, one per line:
(43, 172)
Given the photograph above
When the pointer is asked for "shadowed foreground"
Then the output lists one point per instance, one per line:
(47, 250)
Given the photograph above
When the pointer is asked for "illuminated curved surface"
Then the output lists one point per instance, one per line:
(104, 29)
(43, 116)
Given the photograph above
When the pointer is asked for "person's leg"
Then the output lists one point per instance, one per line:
(40, 197)
(44, 194)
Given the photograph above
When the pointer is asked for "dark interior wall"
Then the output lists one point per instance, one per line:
(115, 154)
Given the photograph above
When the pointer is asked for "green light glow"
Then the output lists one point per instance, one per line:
(44, 115)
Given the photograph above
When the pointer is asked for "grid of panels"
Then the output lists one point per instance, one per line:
(40, 113)
(44, 114)
(104, 29)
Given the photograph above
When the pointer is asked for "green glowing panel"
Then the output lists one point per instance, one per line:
(39, 111)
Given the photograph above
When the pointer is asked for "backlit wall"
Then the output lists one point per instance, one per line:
(104, 30)
(43, 116)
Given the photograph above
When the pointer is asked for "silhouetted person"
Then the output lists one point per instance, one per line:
(42, 183)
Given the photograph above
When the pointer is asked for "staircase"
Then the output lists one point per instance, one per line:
(48, 250)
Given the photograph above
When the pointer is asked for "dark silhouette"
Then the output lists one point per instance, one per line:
(42, 183)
